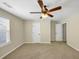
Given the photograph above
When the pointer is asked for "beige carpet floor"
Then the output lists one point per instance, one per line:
(56, 50)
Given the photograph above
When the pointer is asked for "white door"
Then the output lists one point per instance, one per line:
(59, 32)
(36, 32)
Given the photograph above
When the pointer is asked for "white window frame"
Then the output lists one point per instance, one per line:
(7, 34)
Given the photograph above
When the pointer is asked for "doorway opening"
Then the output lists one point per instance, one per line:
(58, 32)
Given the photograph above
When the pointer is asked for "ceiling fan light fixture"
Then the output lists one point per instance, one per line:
(44, 15)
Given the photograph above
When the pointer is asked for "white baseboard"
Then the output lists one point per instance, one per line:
(73, 47)
(46, 42)
(39, 42)
(11, 51)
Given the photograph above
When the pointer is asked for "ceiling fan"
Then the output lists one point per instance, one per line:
(44, 10)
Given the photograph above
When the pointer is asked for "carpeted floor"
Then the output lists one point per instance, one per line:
(56, 50)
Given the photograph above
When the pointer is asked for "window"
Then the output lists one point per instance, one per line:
(4, 31)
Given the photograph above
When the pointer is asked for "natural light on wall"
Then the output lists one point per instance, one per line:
(4, 31)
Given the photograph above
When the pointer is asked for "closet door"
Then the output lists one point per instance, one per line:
(59, 32)
(36, 32)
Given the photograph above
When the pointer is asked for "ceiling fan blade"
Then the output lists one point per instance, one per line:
(45, 7)
(55, 9)
(50, 15)
(40, 2)
(35, 12)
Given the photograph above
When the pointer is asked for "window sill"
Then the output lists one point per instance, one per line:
(4, 44)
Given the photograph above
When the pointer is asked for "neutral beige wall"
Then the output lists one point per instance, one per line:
(73, 31)
(53, 31)
(28, 31)
(16, 32)
(45, 31)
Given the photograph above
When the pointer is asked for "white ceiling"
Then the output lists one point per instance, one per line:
(21, 8)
